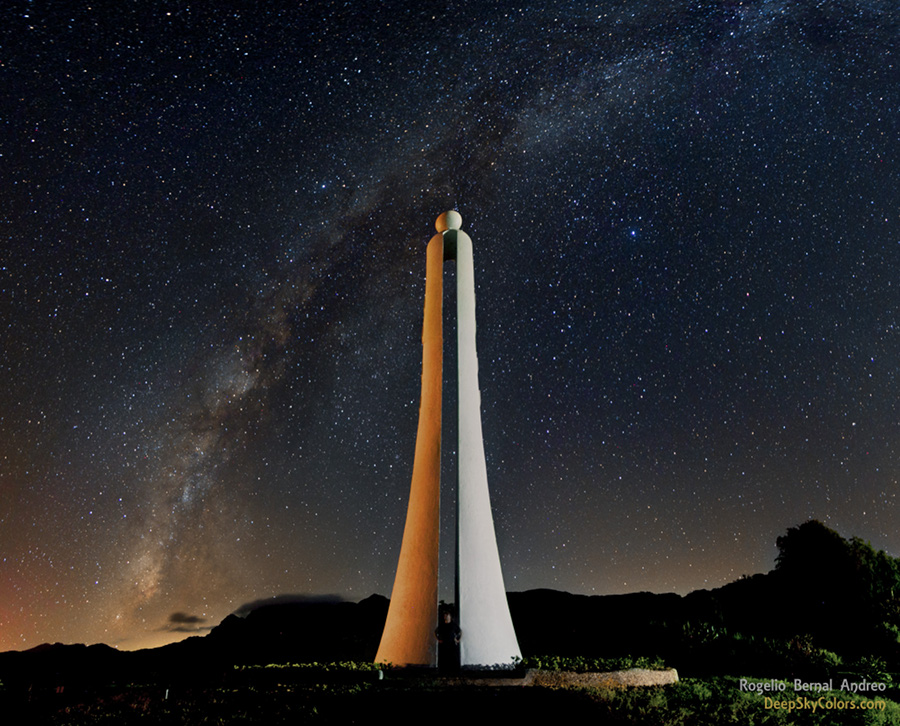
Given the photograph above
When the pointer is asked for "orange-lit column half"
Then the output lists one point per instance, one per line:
(408, 637)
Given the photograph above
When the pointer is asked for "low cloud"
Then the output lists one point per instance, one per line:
(295, 599)
(184, 623)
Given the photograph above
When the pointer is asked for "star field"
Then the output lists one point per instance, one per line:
(213, 223)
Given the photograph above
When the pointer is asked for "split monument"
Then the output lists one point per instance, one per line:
(488, 637)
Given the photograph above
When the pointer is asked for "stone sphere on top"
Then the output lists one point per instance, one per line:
(448, 220)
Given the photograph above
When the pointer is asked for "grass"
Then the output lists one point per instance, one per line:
(343, 694)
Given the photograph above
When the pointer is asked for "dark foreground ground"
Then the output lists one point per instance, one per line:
(364, 698)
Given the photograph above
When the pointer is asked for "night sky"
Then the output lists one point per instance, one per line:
(686, 222)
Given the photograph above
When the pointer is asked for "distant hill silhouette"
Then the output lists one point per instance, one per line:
(825, 592)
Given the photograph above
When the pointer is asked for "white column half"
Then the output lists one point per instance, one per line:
(488, 636)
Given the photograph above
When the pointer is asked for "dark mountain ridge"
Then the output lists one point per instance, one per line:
(825, 594)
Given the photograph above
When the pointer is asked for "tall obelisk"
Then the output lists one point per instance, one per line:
(488, 636)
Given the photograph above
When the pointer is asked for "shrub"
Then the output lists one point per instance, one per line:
(583, 664)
